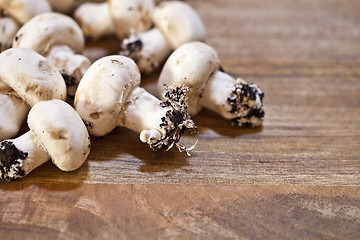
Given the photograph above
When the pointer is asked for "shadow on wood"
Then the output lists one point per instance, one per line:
(122, 142)
(207, 119)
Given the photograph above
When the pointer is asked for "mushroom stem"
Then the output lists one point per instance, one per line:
(160, 124)
(142, 113)
(13, 112)
(234, 99)
(148, 49)
(72, 66)
(95, 19)
(20, 156)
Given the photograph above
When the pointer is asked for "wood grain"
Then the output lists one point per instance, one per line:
(152, 211)
(297, 177)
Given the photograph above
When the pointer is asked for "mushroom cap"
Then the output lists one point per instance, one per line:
(191, 65)
(103, 90)
(24, 10)
(32, 77)
(61, 132)
(46, 30)
(135, 15)
(179, 23)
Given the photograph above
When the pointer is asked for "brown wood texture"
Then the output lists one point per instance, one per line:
(297, 177)
(152, 211)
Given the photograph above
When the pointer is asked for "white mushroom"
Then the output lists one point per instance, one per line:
(58, 38)
(196, 65)
(95, 19)
(109, 96)
(8, 29)
(115, 16)
(56, 132)
(24, 10)
(176, 23)
(135, 15)
(25, 79)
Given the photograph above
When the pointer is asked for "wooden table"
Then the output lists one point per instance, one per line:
(295, 178)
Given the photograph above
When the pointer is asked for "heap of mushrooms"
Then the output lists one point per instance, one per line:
(46, 54)
(109, 96)
(60, 39)
(197, 66)
(26, 78)
(176, 23)
(56, 132)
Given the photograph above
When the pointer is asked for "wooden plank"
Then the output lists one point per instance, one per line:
(310, 136)
(98, 211)
(311, 130)
(283, 30)
(297, 177)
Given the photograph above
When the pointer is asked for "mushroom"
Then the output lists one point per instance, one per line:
(196, 65)
(115, 16)
(25, 79)
(109, 96)
(58, 38)
(56, 132)
(95, 19)
(8, 28)
(23, 10)
(176, 23)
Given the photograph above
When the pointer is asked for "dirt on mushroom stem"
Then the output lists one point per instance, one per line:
(11, 160)
(176, 120)
(130, 46)
(246, 101)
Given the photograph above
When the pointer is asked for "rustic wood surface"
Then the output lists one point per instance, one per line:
(297, 177)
